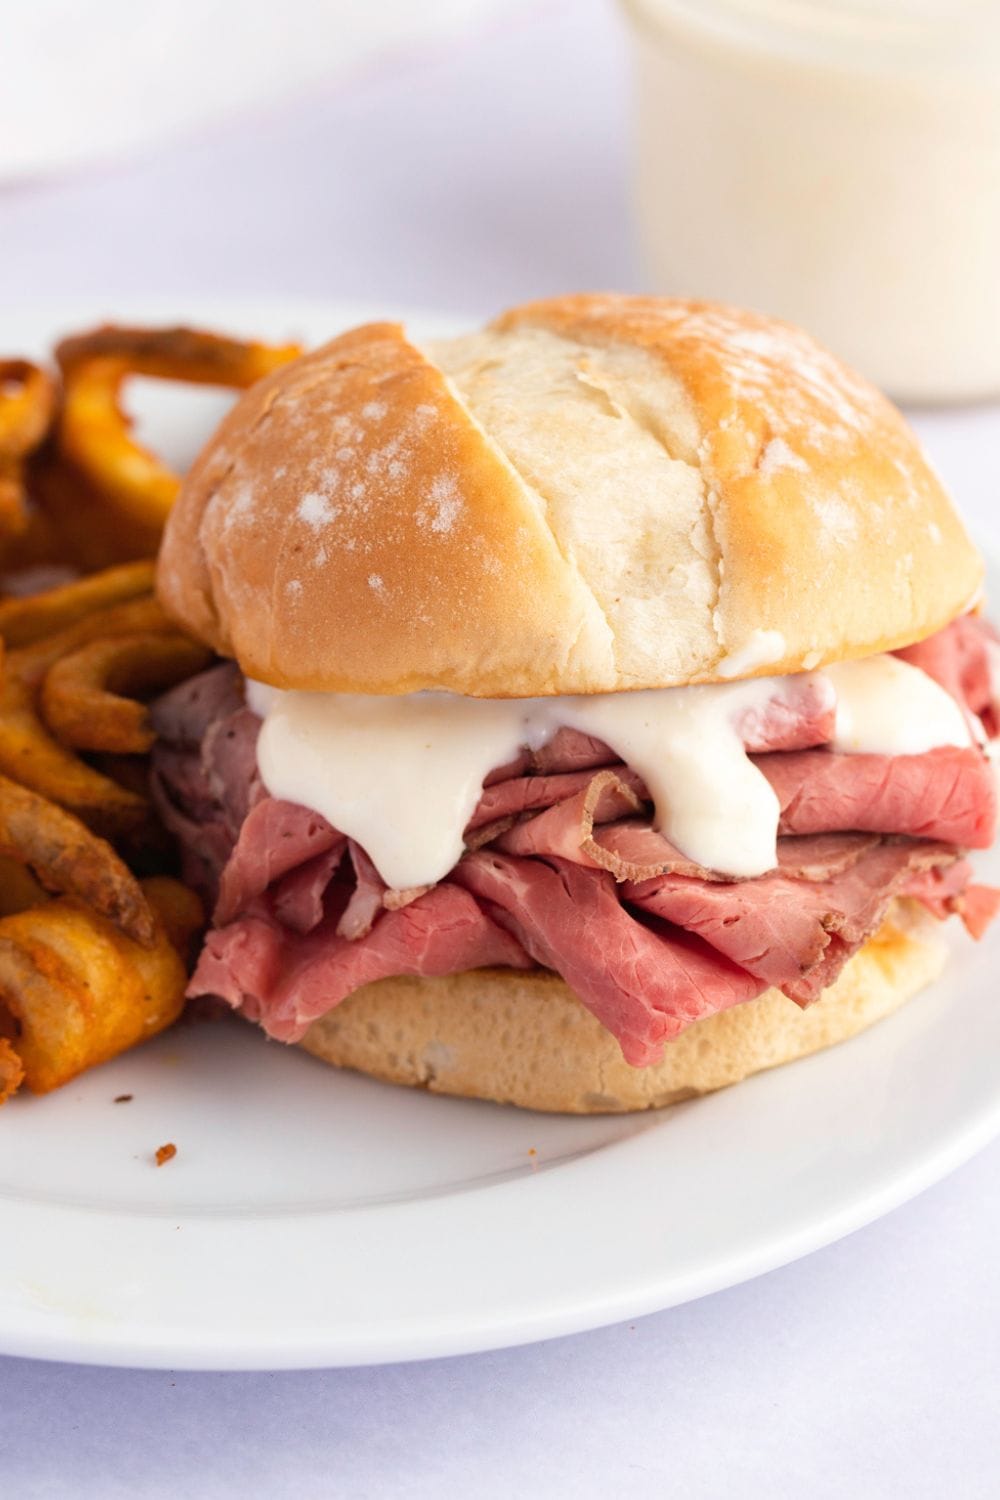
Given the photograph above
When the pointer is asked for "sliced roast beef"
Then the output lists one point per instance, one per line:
(285, 981)
(183, 716)
(977, 905)
(522, 794)
(820, 856)
(365, 900)
(633, 850)
(964, 659)
(780, 928)
(204, 770)
(713, 946)
(568, 750)
(203, 839)
(276, 837)
(229, 759)
(800, 716)
(567, 829)
(298, 899)
(947, 794)
(949, 891)
(645, 986)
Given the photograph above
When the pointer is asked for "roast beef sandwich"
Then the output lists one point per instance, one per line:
(604, 707)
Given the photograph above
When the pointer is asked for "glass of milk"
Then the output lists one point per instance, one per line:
(834, 162)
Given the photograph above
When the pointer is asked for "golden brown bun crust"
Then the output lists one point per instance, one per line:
(525, 1039)
(596, 493)
(348, 529)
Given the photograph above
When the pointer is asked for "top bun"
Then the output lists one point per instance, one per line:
(595, 493)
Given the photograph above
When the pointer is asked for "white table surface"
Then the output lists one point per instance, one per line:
(463, 177)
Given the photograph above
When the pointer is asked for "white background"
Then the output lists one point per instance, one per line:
(461, 176)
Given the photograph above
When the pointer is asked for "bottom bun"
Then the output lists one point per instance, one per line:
(525, 1039)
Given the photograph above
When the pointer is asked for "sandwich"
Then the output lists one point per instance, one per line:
(603, 710)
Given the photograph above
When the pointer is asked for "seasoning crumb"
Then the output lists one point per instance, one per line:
(532, 1151)
(124, 1098)
(165, 1153)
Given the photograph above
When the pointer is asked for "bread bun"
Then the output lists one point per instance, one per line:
(596, 493)
(524, 1038)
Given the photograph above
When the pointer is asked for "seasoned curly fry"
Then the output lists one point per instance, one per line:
(82, 698)
(131, 772)
(28, 752)
(18, 887)
(93, 430)
(178, 910)
(25, 620)
(79, 992)
(66, 857)
(27, 404)
(14, 515)
(91, 959)
(89, 533)
(11, 1071)
(40, 547)
(30, 755)
(177, 353)
(141, 616)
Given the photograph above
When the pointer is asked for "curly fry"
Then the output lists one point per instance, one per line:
(68, 858)
(131, 772)
(141, 616)
(40, 546)
(87, 531)
(93, 430)
(28, 752)
(18, 887)
(82, 698)
(25, 620)
(178, 910)
(176, 353)
(14, 515)
(32, 757)
(79, 992)
(27, 404)
(11, 1071)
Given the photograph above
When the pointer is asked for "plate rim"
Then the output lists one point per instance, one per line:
(138, 1349)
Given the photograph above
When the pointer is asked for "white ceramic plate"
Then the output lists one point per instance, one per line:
(312, 1218)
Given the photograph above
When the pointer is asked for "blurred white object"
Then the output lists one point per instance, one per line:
(836, 162)
(106, 78)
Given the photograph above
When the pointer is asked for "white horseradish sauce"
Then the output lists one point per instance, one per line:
(402, 774)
